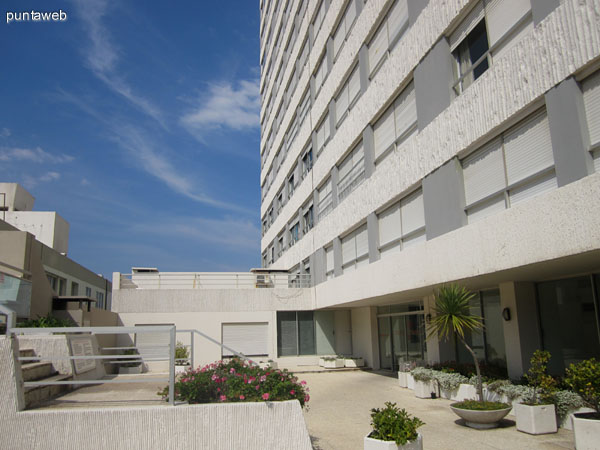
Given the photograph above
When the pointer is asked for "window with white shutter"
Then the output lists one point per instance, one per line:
(402, 224)
(355, 249)
(508, 21)
(391, 29)
(347, 96)
(303, 107)
(396, 124)
(591, 101)
(249, 339)
(325, 199)
(329, 262)
(319, 17)
(351, 171)
(323, 133)
(344, 27)
(517, 165)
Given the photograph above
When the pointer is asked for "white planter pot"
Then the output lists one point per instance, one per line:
(376, 444)
(536, 419)
(587, 431)
(567, 421)
(423, 389)
(181, 369)
(410, 381)
(335, 364)
(465, 392)
(403, 379)
(358, 362)
(448, 394)
(481, 420)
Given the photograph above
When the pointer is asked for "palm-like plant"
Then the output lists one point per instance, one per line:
(453, 316)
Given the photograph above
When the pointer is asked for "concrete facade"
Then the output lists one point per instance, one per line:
(536, 65)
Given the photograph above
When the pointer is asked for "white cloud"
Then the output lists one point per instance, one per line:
(229, 232)
(102, 56)
(36, 155)
(155, 162)
(85, 182)
(225, 106)
(5, 132)
(30, 182)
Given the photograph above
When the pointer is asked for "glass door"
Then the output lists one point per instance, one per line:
(385, 343)
(401, 340)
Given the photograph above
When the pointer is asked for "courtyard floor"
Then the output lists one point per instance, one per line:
(339, 416)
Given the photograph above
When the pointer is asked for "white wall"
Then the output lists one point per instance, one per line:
(17, 198)
(47, 227)
(365, 341)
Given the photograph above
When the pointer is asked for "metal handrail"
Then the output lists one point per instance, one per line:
(168, 356)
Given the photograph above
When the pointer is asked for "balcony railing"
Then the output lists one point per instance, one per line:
(213, 280)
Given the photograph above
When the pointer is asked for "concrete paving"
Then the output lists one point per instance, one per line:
(339, 416)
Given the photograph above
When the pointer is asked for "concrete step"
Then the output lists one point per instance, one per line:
(34, 395)
(37, 370)
(26, 352)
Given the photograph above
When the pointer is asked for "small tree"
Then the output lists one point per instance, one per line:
(453, 316)
(543, 384)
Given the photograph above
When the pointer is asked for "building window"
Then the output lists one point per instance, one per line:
(308, 219)
(307, 162)
(294, 233)
(291, 185)
(344, 27)
(88, 292)
(403, 224)
(321, 73)
(304, 107)
(591, 101)
(325, 199)
(279, 202)
(351, 172)
(355, 249)
(99, 300)
(74, 288)
(329, 267)
(271, 255)
(569, 320)
(291, 133)
(486, 33)
(323, 134)
(396, 124)
(319, 17)
(303, 57)
(515, 166)
(347, 96)
(280, 247)
(388, 34)
(295, 333)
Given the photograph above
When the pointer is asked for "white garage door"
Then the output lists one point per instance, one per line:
(250, 339)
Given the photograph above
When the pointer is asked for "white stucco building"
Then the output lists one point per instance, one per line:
(411, 143)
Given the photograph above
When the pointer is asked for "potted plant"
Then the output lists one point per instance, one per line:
(537, 414)
(425, 383)
(453, 317)
(393, 429)
(353, 361)
(133, 365)
(584, 379)
(331, 362)
(182, 358)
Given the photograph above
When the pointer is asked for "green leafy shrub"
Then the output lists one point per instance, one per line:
(181, 354)
(584, 379)
(237, 381)
(394, 424)
(476, 405)
(423, 374)
(566, 402)
(48, 321)
(543, 384)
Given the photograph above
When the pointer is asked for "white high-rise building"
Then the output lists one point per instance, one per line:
(411, 143)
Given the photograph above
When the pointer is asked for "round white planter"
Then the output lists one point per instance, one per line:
(535, 419)
(480, 419)
(587, 431)
(376, 444)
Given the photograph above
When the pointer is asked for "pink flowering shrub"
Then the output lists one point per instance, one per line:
(237, 381)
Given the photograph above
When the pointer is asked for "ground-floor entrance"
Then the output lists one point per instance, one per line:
(401, 335)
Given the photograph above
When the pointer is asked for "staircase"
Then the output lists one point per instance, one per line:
(34, 370)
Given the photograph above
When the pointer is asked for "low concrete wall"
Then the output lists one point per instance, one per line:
(276, 425)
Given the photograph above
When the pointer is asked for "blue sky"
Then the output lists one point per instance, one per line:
(138, 122)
